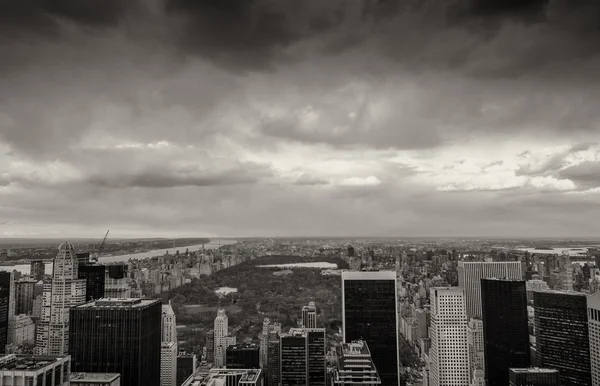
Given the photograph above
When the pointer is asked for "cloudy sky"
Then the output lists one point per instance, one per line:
(290, 118)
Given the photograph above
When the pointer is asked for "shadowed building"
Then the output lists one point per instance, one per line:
(534, 377)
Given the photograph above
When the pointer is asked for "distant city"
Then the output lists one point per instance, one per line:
(283, 312)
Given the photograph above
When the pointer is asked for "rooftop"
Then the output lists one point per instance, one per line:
(244, 346)
(534, 370)
(119, 303)
(356, 347)
(66, 246)
(368, 275)
(27, 362)
(94, 377)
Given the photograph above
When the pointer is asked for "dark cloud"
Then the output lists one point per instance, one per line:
(307, 180)
(586, 174)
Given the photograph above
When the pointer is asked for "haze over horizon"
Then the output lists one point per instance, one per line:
(208, 118)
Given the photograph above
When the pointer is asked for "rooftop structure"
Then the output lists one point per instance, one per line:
(17, 370)
(118, 303)
(225, 377)
(95, 379)
(355, 366)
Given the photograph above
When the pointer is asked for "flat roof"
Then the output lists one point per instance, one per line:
(368, 275)
(534, 370)
(94, 377)
(119, 303)
(27, 362)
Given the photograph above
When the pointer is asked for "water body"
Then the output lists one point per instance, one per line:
(574, 251)
(321, 265)
(214, 244)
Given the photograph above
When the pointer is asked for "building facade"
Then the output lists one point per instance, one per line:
(168, 364)
(562, 336)
(169, 324)
(25, 289)
(369, 313)
(471, 273)
(475, 346)
(273, 366)
(354, 366)
(95, 379)
(118, 336)
(534, 377)
(505, 329)
(593, 313)
(37, 270)
(33, 370)
(294, 358)
(309, 316)
(95, 279)
(186, 366)
(243, 356)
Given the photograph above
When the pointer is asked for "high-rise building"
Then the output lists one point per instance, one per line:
(24, 289)
(533, 286)
(534, 377)
(169, 324)
(350, 251)
(95, 379)
(186, 366)
(273, 365)
(369, 313)
(65, 291)
(316, 348)
(83, 258)
(7, 281)
(471, 273)
(4, 319)
(225, 377)
(118, 336)
(168, 364)
(593, 313)
(38, 270)
(309, 316)
(33, 370)
(210, 346)
(354, 365)
(23, 331)
(294, 358)
(222, 338)
(243, 356)
(505, 330)
(562, 336)
(475, 346)
(448, 355)
(95, 279)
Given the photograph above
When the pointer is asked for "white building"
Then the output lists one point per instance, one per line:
(168, 364)
(593, 304)
(222, 338)
(169, 325)
(31, 370)
(471, 273)
(476, 347)
(449, 356)
(309, 316)
(65, 291)
(23, 330)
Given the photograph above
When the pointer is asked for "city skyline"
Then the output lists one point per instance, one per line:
(231, 118)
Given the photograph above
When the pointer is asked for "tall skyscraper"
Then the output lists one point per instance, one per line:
(475, 346)
(25, 292)
(562, 336)
(4, 320)
(505, 330)
(65, 291)
(95, 279)
(369, 313)
(243, 356)
(303, 357)
(448, 355)
(309, 316)
(118, 336)
(186, 366)
(169, 324)
(354, 366)
(593, 313)
(222, 338)
(471, 273)
(210, 346)
(168, 364)
(273, 365)
(38, 269)
(534, 377)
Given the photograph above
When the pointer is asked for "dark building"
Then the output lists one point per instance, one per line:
(210, 346)
(273, 370)
(505, 330)
(243, 356)
(293, 359)
(317, 370)
(24, 295)
(117, 336)
(534, 377)
(4, 300)
(83, 258)
(118, 271)
(350, 251)
(186, 365)
(38, 269)
(562, 338)
(95, 277)
(369, 314)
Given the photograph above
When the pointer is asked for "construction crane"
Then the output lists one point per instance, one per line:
(97, 252)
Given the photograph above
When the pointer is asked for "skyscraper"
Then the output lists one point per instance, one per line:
(24, 289)
(369, 313)
(505, 330)
(475, 346)
(534, 377)
(243, 356)
(593, 313)
(562, 336)
(222, 338)
(118, 336)
(65, 291)
(38, 269)
(186, 366)
(471, 273)
(354, 366)
(309, 316)
(4, 300)
(169, 324)
(273, 365)
(294, 358)
(448, 355)
(168, 364)
(316, 347)
(95, 279)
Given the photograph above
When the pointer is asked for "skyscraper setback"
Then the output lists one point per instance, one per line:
(369, 313)
(309, 316)
(505, 330)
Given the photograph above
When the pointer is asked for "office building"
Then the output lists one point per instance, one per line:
(593, 310)
(83, 258)
(562, 336)
(475, 346)
(32, 370)
(186, 366)
(65, 291)
(95, 379)
(354, 365)
(448, 355)
(243, 356)
(471, 273)
(268, 328)
(118, 336)
(534, 377)
(317, 347)
(95, 279)
(369, 313)
(222, 338)
(117, 271)
(37, 270)
(168, 364)
(24, 295)
(273, 365)
(533, 286)
(294, 358)
(210, 346)
(23, 330)
(225, 377)
(169, 324)
(309, 316)
(505, 329)
(4, 319)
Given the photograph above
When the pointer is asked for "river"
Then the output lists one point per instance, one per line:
(214, 244)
